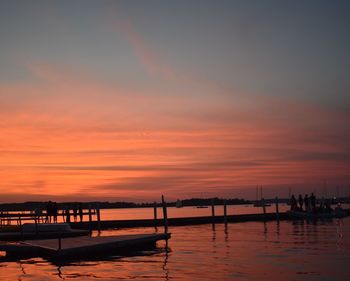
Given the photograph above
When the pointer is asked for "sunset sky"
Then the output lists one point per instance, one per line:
(128, 100)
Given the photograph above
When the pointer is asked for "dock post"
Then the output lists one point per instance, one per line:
(20, 227)
(263, 206)
(36, 225)
(277, 210)
(155, 213)
(90, 218)
(98, 217)
(68, 215)
(225, 212)
(59, 243)
(213, 210)
(165, 215)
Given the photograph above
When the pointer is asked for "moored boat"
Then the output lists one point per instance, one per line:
(261, 204)
(178, 203)
(317, 215)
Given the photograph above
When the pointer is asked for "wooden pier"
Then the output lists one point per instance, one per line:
(159, 222)
(7, 218)
(165, 221)
(81, 246)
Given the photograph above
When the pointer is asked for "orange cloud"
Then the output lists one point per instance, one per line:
(67, 134)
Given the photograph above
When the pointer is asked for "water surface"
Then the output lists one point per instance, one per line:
(289, 250)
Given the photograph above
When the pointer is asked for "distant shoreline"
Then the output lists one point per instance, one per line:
(32, 205)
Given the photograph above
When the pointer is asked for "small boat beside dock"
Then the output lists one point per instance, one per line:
(311, 215)
(81, 246)
(261, 204)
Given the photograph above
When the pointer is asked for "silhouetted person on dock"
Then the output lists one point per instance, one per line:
(48, 211)
(37, 213)
(67, 215)
(54, 211)
(307, 203)
(328, 207)
(321, 208)
(301, 202)
(75, 212)
(293, 203)
(313, 202)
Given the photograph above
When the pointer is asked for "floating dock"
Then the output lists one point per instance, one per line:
(81, 246)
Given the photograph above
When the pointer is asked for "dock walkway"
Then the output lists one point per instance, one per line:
(108, 224)
(81, 246)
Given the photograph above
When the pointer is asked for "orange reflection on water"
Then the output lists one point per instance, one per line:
(250, 251)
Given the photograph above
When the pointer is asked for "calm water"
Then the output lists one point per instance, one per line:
(147, 213)
(242, 251)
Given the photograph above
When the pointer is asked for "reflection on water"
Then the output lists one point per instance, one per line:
(147, 213)
(285, 250)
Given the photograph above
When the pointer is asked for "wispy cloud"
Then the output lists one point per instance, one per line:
(146, 54)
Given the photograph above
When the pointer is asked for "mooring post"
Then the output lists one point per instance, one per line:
(20, 226)
(98, 217)
(59, 243)
(68, 215)
(165, 215)
(36, 225)
(90, 218)
(277, 210)
(213, 209)
(155, 213)
(263, 206)
(225, 212)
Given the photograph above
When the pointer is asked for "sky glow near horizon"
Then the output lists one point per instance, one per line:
(128, 100)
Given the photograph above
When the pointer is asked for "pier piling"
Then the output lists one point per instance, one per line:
(155, 213)
(225, 212)
(36, 225)
(213, 209)
(277, 210)
(263, 206)
(90, 218)
(98, 217)
(165, 215)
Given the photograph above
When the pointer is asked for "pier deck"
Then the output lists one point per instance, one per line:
(107, 224)
(81, 246)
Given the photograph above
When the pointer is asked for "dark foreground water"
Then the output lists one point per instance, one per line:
(243, 251)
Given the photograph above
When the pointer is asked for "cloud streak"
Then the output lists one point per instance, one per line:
(151, 62)
(82, 135)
